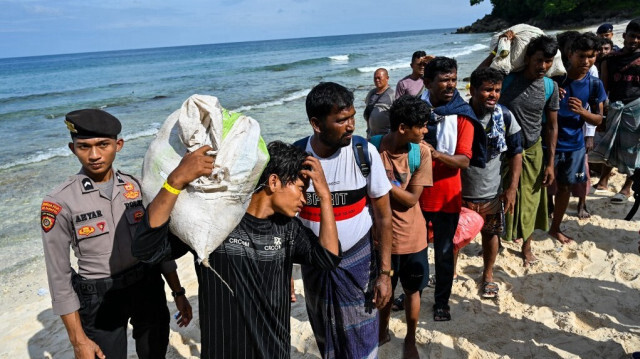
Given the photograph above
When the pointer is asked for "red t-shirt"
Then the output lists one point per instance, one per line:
(446, 193)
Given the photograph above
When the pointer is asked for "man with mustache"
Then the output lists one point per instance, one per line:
(450, 140)
(482, 189)
(343, 303)
(534, 101)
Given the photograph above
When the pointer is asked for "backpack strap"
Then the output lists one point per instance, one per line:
(361, 153)
(506, 117)
(375, 140)
(548, 91)
(302, 143)
(414, 152)
(414, 156)
(507, 80)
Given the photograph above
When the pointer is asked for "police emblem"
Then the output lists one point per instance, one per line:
(131, 194)
(86, 230)
(128, 186)
(101, 226)
(48, 213)
(137, 217)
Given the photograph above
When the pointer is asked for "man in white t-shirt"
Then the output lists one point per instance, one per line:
(342, 303)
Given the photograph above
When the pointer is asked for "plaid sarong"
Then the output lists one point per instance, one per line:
(339, 304)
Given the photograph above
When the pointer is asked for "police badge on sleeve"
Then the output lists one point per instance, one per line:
(48, 213)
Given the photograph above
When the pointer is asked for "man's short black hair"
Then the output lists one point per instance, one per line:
(633, 26)
(439, 65)
(547, 44)
(585, 42)
(487, 74)
(324, 97)
(409, 110)
(285, 161)
(418, 54)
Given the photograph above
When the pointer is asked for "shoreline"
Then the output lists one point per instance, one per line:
(579, 301)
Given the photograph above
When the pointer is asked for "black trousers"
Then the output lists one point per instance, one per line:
(105, 316)
(444, 228)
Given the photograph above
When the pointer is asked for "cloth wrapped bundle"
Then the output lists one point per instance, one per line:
(510, 54)
(210, 207)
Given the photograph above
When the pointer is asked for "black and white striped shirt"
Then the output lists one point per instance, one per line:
(249, 318)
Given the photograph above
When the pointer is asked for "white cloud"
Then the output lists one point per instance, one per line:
(43, 10)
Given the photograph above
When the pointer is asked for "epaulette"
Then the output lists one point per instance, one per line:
(59, 188)
(118, 172)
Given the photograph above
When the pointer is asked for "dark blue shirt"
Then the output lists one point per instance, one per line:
(570, 134)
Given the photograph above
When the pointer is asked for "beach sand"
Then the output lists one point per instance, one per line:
(580, 301)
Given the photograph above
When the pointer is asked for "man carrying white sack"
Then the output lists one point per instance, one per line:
(244, 296)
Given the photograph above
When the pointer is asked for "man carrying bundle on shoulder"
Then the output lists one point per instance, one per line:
(533, 100)
(244, 296)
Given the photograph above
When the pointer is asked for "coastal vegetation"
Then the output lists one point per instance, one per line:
(556, 14)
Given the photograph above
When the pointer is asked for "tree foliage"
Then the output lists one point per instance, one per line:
(520, 10)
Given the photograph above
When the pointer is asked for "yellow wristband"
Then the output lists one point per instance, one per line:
(493, 53)
(168, 187)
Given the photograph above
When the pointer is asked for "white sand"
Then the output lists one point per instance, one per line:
(580, 301)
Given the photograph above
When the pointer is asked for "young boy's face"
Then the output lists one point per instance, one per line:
(290, 198)
(415, 134)
(582, 60)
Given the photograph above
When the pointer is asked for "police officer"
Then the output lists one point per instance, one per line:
(96, 212)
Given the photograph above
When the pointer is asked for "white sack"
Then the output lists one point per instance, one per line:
(210, 207)
(511, 53)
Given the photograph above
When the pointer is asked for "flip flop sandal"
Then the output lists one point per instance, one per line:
(441, 315)
(619, 198)
(490, 290)
(398, 303)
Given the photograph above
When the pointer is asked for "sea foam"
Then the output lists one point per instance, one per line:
(278, 102)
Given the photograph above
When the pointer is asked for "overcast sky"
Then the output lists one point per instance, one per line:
(43, 27)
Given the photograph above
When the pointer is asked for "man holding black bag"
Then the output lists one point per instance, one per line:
(378, 102)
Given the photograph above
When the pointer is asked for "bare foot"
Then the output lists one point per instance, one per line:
(517, 240)
(600, 187)
(385, 338)
(527, 254)
(410, 351)
(561, 237)
(293, 292)
(583, 213)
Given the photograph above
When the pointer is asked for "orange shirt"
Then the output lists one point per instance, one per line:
(446, 193)
(409, 228)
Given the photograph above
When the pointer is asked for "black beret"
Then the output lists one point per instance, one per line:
(90, 123)
(604, 28)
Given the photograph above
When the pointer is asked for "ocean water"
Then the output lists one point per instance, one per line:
(267, 80)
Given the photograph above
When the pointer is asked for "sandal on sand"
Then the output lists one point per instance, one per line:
(619, 198)
(398, 303)
(441, 315)
(490, 290)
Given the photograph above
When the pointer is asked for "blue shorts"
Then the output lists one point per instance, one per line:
(412, 270)
(570, 167)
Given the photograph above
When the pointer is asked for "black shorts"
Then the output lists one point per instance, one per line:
(412, 269)
(571, 167)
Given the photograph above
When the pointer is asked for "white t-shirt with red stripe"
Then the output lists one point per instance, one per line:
(350, 191)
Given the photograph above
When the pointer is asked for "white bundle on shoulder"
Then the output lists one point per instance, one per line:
(511, 53)
(210, 207)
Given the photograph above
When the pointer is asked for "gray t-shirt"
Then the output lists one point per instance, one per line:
(379, 118)
(525, 99)
(485, 183)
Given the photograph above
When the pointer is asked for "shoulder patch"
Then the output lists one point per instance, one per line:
(48, 213)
